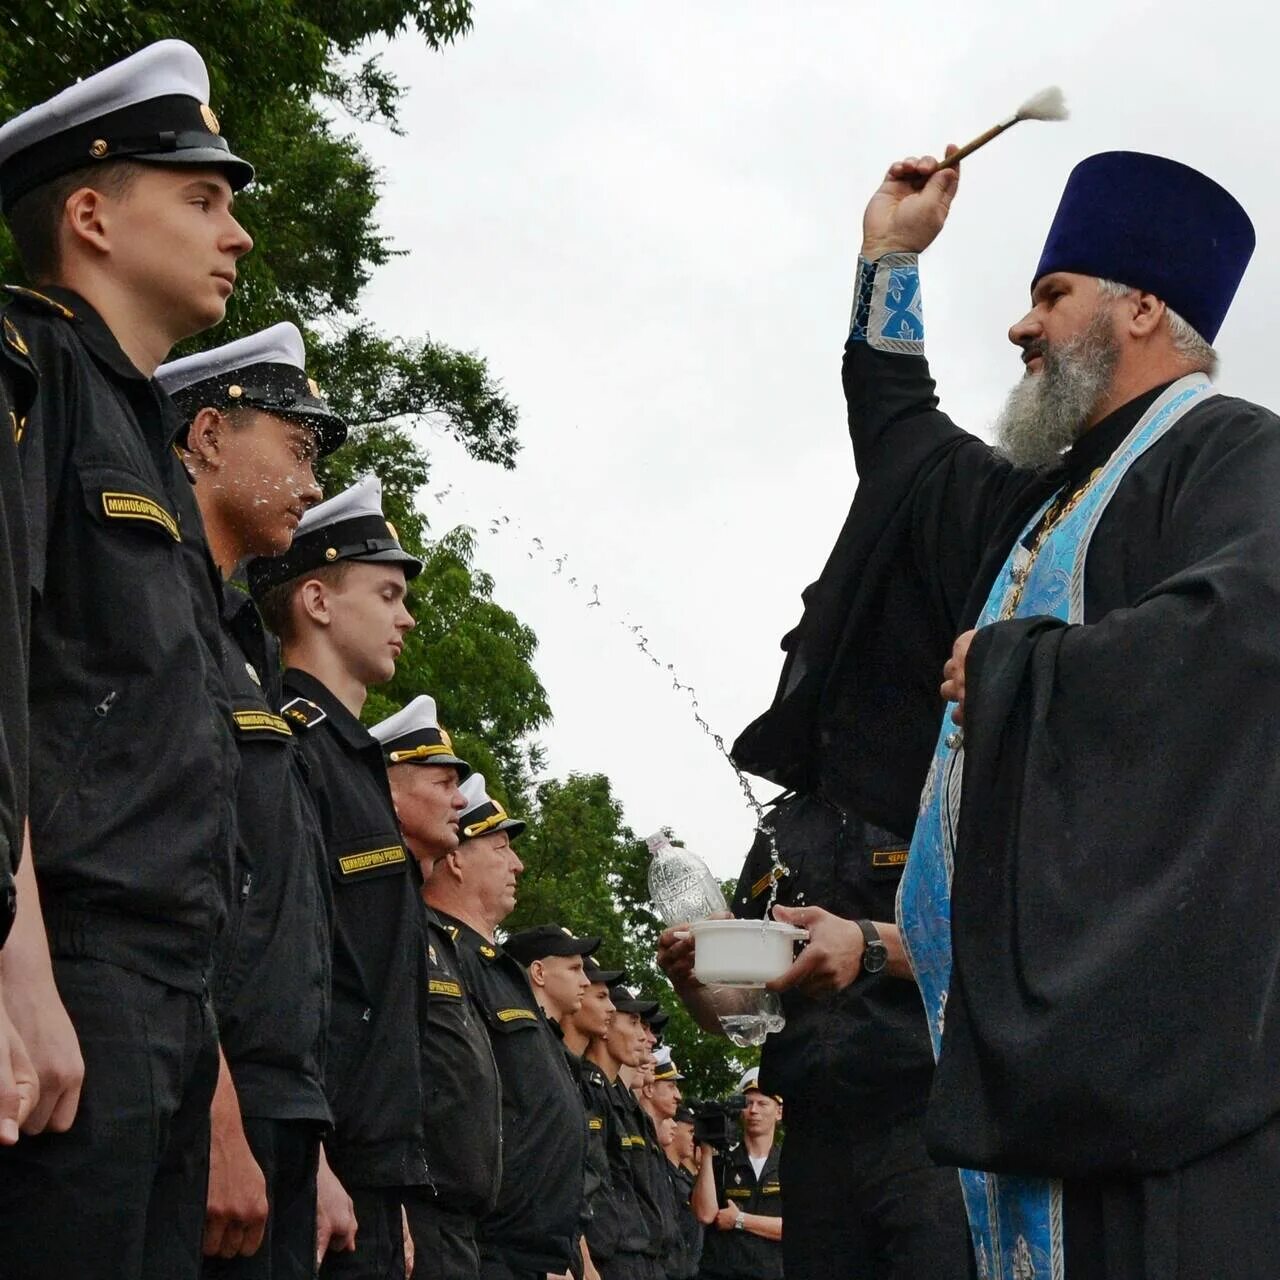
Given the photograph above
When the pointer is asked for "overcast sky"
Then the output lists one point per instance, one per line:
(646, 217)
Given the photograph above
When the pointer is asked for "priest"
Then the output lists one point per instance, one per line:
(1090, 905)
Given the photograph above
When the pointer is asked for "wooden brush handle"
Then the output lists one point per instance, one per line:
(980, 141)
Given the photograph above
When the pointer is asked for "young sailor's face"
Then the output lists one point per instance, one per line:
(1063, 304)
(369, 620)
(596, 1013)
(174, 242)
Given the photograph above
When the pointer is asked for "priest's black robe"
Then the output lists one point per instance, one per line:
(1114, 1013)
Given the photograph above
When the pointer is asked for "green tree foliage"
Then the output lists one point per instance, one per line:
(586, 869)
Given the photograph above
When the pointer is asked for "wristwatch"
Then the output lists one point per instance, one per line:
(875, 954)
(740, 1222)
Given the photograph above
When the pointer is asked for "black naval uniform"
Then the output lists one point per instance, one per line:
(740, 1255)
(614, 1225)
(463, 1120)
(373, 1064)
(855, 1069)
(133, 783)
(644, 1204)
(536, 1224)
(271, 988)
(685, 1253)
(17, 391)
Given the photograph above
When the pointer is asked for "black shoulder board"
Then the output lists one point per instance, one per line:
(303, 712)
(40, 301)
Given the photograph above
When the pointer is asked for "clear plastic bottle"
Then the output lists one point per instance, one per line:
(682, 890)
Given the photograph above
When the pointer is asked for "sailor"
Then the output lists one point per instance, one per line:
(336, 599)
(535, 1226)
(255, 428)
(118, 193)
(462, 1116)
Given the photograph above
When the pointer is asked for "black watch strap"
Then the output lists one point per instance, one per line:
(875, 955)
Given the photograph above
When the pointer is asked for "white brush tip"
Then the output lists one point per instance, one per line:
(1048, 104)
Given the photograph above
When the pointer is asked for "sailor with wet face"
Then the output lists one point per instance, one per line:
(336, 599)
(255, 426)
(118, 193)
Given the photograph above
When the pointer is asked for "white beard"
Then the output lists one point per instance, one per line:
(1046, 412)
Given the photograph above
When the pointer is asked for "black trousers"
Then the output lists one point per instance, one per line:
(1216, 1219)
(121, 1195)
(444, 1243)
(866, 1203)
(379, 1252)
(288, 1153)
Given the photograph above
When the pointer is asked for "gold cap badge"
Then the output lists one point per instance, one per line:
(98, 148)
(210, 120)
(331, 553)
(235, 391)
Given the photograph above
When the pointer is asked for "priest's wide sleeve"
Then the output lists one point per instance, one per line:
(1115, 1001)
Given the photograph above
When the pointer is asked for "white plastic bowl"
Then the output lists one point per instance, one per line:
(742, 953)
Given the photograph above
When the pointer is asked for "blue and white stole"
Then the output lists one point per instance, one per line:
(1016, 1221)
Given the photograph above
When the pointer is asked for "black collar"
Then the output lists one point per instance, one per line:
(347, 726)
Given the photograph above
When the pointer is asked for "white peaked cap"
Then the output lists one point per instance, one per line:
(348, 526)
(418, 714)
(483, 814)
(164, 68)
(413, 735)
(364, 498)
(58, 136)
(280, 344)
(474, 793)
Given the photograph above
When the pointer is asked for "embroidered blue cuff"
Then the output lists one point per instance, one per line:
(887, 311)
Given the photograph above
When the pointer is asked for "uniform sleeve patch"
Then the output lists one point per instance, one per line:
(134, 506)
(262, 722)
(304, 712)
(514, 1015)
(443, 987)
(354, 863)
(889, 857)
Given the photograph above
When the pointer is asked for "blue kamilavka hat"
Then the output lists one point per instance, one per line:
(1156, 225)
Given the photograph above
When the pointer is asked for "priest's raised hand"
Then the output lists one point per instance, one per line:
(910, 207)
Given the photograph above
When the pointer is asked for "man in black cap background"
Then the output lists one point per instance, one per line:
(553, 959)
(738, 1195)
(1118, 554)
(252, 458)
(535, 1226)
(336, 600)
(681, 1262)
(462, 1119)
(118, 193)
